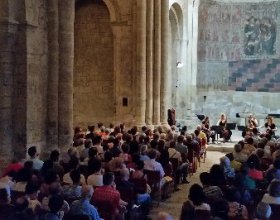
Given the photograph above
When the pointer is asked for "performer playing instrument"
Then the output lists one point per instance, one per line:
(270, 126)
(226, 133)
(252, 122)
(205, 126)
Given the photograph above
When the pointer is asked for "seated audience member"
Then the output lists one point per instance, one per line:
(249, 182)
(6, 208)
(164, 216)
(84, 152)
(254, 173)
(73, 191)
(180, 146)
(238, 154)
(211, 191)
(220, 210)
(108, 193)
(54, 157)
(21, 211)
(14, 167)
(249, 147)
(83, 206)
(97, 143)
(125, 155)
(55, 190)
(274, 171)
(95, 178)
(217, 175)
(233, 163)
(263, 211)
(196, 201)
(22, 178)
(229, 172)
(143, 153)
(152, 164)
(55, 205)
(236, 210)
(246, 197)
(132, 165)
(31, 191)
(33, 154)
(73, 163)
(115, 150)
(273, 195)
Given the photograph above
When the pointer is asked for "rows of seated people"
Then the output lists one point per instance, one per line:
(109, 173)
(245, 185)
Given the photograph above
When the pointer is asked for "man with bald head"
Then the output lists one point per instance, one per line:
(83, 206)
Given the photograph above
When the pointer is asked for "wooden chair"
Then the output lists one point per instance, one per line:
(153, 179)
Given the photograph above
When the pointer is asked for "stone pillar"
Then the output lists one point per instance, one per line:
(157, 62)
(66, 66)
(7, 39)
(150, 53)
(165, 61)
(53, 73)
(141, 63)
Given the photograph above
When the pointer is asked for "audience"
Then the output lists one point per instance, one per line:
(246, 183)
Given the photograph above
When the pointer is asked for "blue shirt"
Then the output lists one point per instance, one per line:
(83, 207)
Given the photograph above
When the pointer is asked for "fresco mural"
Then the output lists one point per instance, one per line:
(260, 36)
(238, 31)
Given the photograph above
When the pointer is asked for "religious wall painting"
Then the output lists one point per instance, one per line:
(225, 14)
(236, 14)
(259, 36)
(214, 14)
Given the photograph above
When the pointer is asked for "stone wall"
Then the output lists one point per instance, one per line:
(103, 63)
(94, 88)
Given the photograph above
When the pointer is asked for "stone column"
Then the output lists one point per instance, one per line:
(150, 53)
(53, 72)
(157, 62)
(164, 60)
(8, 31)
(141, 63)
(66, 66)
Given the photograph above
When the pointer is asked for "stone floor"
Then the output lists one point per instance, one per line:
(174, 203)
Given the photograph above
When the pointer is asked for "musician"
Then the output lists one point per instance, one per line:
(226, 133)
(270, 125)
(205, 127)
(252, 122)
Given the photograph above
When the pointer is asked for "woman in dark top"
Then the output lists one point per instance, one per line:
(226, 133)
(207, 129)
(270, 126)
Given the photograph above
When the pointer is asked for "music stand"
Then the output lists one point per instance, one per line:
(218, 130)
(231, 126)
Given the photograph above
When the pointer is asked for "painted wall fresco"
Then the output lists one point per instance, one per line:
(233, 32)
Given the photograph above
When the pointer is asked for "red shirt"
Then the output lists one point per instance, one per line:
(12, 167)
(107, 193)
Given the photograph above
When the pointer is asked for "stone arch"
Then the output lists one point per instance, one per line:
(112, 7)
(94, 79)
(176, 44)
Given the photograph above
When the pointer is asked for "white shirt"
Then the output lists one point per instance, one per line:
(95, 180)
(270, 200)
(37, 164)
(154, 165)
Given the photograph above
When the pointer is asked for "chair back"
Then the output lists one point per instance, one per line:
(106, 209)
(202, 215)
(153, 179)
(140, 185)
(175, 163)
